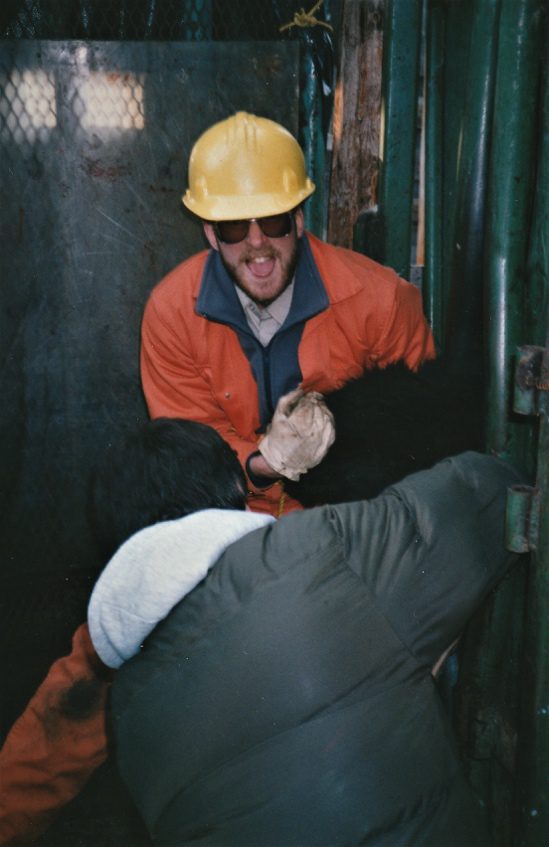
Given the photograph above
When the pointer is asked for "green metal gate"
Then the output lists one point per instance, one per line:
(486, 293)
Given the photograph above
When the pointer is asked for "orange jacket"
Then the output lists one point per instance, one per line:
(195, 368)
(50, 753)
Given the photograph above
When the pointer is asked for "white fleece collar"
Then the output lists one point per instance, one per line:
(153, 571)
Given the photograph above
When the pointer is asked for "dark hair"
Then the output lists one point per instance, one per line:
(167, 469)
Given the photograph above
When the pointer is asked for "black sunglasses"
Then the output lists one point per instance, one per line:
(274, 226)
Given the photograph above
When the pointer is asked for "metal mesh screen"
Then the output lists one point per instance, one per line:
(94, 139)
(95, 134)
(97, 119)
(72, 122)
(94, 142)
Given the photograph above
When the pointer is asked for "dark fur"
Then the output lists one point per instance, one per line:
(166, 470)
(390, 423)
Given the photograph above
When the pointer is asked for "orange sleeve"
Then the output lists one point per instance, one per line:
(56, 744)
(406, 334)
(173, 384)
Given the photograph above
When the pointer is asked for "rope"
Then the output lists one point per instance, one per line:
(303, 18)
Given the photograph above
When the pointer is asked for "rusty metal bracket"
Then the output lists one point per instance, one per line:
(522, 518)
(531, 395)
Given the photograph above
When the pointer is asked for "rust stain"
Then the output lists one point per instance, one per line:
(166, 189)
(114, 76)
(95, 168)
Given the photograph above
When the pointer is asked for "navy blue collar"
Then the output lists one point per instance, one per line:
(218, 301)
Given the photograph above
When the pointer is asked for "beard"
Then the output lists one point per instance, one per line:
(287, 266)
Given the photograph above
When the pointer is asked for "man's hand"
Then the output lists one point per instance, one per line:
(299, 435)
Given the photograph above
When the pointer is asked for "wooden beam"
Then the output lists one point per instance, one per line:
(357, 118)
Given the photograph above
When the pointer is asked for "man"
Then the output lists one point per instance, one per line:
(286, 696)
(268, 309)
(243, 338)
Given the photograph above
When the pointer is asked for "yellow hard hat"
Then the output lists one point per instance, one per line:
(246, 167)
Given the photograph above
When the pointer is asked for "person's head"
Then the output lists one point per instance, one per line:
(165, 470)
(247, 181)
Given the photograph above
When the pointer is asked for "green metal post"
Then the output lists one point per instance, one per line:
(434, 94)
(491, 730)
(538, 254)
(463, 327)
(511, 180)
(313, 142)
(448, 35)
(534, 773)
(401, 41)
(533, 777)
(457, 40)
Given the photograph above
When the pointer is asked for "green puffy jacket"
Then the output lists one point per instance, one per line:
(288, 699)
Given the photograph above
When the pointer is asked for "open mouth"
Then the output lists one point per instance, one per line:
(261, 266)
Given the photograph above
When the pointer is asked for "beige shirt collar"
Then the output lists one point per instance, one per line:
(265, 321)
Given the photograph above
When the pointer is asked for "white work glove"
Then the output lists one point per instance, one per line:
(299, 435)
